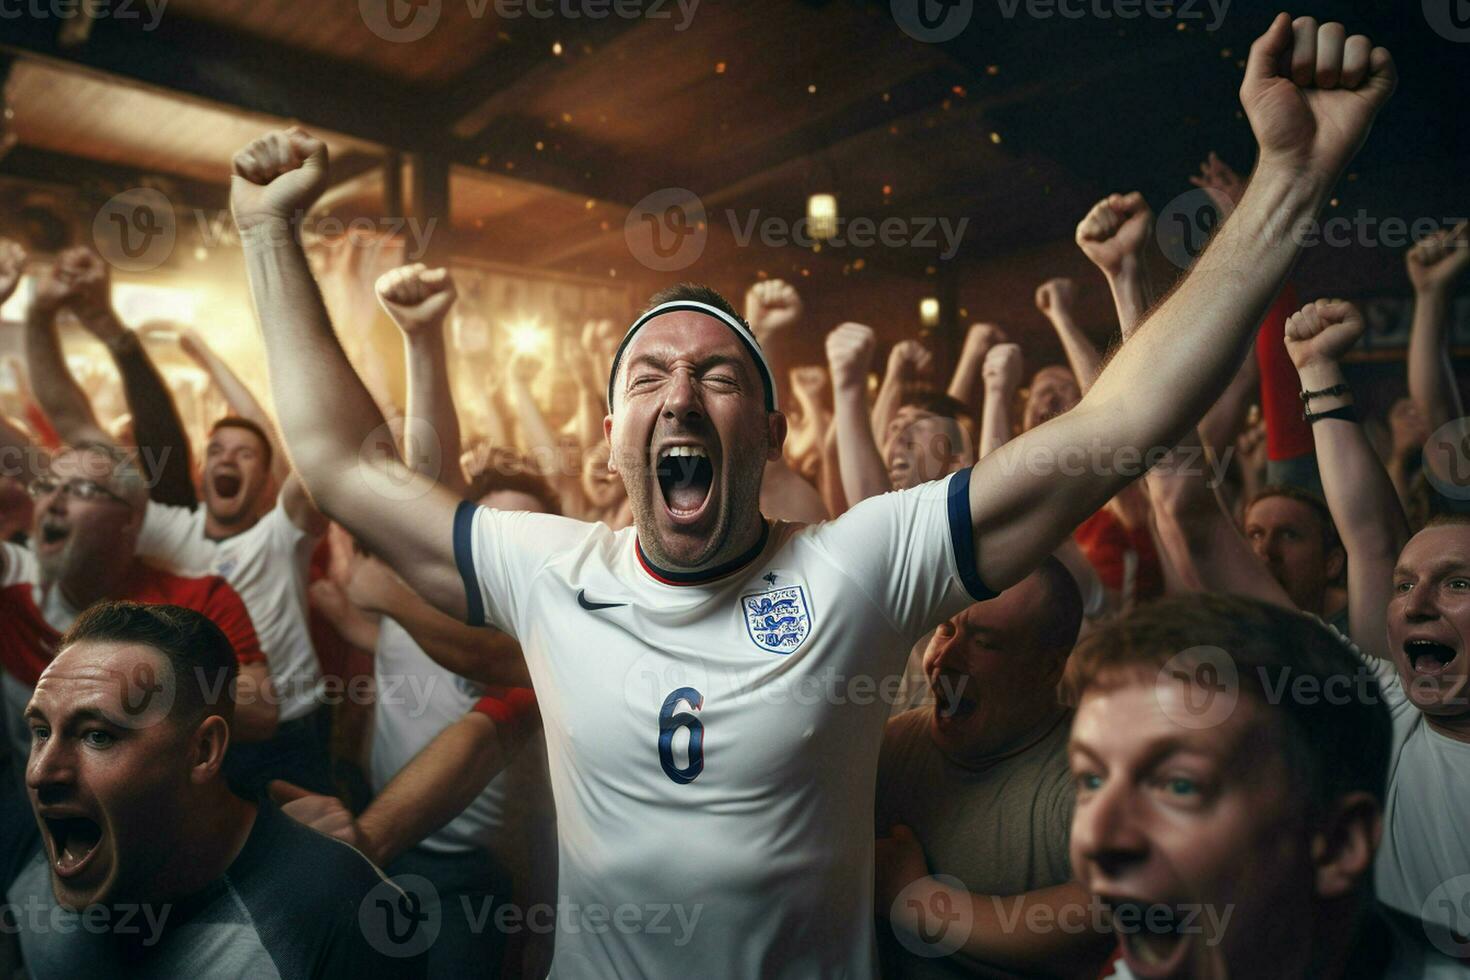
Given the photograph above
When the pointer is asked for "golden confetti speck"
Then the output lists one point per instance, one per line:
(540, 145)
(719, 68)
(995, 137)
(992, 70)
(859, 263)
(811, 90)
(556, 48)
(887, 189)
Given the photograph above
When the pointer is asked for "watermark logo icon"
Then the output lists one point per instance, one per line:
(1198, 687)
(933, 21)
(401, 918)
(1447, 459)
(135, 230)
(941, 924)
(667, 230)
(1446, 917)
(400, 21)
(1450, 19)
(1185, 226)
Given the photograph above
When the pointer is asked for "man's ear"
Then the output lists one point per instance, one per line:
(1344, 844)
(612, 457)
(777, 428)
(207, 748)
(1336, 559)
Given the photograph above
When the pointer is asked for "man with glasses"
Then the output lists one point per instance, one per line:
(89, 507)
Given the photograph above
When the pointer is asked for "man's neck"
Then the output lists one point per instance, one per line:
(217, 530)
(215, 831)
(980, 761)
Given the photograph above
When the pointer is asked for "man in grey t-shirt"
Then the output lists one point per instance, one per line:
(980, 778)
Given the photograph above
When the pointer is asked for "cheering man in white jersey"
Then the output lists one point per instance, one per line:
(706, 679)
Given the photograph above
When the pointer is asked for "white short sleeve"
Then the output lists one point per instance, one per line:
(499, 552)
(167, 531)
(911, 551)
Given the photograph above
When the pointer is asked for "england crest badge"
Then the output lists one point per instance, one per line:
(778, 621)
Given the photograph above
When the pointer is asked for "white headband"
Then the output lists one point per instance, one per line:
(688, 305)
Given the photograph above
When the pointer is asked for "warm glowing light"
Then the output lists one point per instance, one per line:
(929, 311)
(821, 216)
(527, 337)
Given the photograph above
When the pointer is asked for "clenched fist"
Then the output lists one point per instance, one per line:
(416, 297)
(1054, 297)
(771, 306)
(909, 359)
(1322, 332)
(1114, 232)
(808, 381)
(12, 264)
(1002, 370)
(981, 338)
(1311, 92)
(277, 178)
(850, 355)
(1437, 261)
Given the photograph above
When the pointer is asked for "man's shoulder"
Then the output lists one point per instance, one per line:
(18, 565)
(287, 864)
(197, 591)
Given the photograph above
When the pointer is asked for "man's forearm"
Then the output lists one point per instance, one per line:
(434, 788)
(1131, 295)
(995, 421)
(1365, 508)
(57, 392)
(863, 473)
(964, 387)
(242, 401)
(431, 420)
(1081, 355)
(157, 428)
(1432, 383)
(325, 411)
(1002, 933)
(480, 654)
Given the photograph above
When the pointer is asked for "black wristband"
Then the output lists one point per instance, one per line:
(1337, 389)
(1347, 413)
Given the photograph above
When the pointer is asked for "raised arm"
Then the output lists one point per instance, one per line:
(1002, 377)
(773, 309)
(1112, 236)
(418, 299)
(333, 430)
(157, 428)
(57, 392)
(238, 397)
(967, 384)
(850, 357)
(1364, 505)
(908, 362)
(1054, 298)
(1165, 378)
(1435, 264)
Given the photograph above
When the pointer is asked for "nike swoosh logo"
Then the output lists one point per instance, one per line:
(585, 603)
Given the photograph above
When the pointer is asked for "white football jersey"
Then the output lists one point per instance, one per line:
(713, 739)
(267, 564)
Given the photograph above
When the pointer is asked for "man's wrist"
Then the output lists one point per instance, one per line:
(266, 231)
(1320, 374)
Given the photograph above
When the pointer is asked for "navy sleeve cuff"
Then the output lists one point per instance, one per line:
(962, 536)
(464, 559)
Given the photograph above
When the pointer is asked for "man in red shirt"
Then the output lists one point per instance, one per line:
(88, 510)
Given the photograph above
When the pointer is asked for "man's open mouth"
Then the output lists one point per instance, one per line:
(53, 534)
(1152, 936)
(227, 484)
(686, 476)
(74, 841)
(1429, 657)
